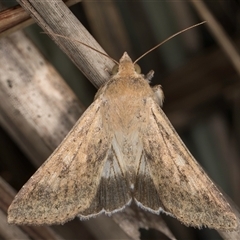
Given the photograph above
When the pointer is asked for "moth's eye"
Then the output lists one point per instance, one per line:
(115, 70)
(137, 68)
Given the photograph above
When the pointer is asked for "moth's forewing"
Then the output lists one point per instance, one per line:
(183, 187)
(67, 182)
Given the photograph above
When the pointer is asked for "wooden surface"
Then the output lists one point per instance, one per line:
(16, 18)
(55, 17)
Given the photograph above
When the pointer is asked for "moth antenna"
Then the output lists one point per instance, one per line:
(174, 35)
(74, 40)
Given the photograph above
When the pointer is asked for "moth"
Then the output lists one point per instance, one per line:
(123, 149)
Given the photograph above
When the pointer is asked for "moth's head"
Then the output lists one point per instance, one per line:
(126, 66)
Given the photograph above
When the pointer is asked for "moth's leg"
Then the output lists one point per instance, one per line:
(149, 76)
(158, 94)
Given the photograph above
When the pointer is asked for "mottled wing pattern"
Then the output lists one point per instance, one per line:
(183, 187)
(71, 178)
(145, 192)
(113, 190)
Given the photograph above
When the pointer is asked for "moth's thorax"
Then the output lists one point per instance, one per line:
(127, 83)
(125, 99)
(125, 95)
